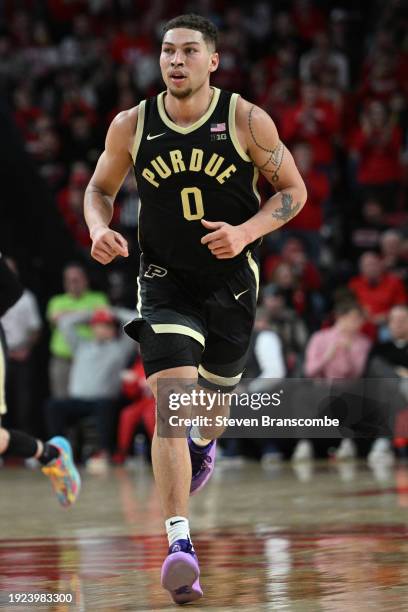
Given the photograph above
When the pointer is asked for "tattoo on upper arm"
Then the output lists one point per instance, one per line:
(275, 155)
(286, 211)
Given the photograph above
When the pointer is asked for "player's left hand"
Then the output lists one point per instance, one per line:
(224, 240)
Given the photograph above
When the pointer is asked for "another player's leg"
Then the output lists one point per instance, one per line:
(172, 472)
(55, 456)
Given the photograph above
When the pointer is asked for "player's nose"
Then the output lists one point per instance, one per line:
(178, 59)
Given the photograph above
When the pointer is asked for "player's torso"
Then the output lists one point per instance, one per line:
(187, 174)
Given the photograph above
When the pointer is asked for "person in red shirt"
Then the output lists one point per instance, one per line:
(307, 224)
(141, 409)
(376, 290)
(293, 254)
(376, 147)
(313, 120)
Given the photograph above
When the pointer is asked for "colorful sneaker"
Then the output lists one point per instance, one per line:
(180, 573)
(202, 463)
(63, 474)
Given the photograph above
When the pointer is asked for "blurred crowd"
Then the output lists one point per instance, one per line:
(333, 304)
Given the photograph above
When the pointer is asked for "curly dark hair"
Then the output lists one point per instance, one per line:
(194, 22)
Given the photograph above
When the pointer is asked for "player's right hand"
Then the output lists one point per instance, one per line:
(107, 244)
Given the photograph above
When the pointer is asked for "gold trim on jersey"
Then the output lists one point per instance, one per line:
(173, 328)
(3, 407)
(229, 381)
(190, 128)
(255, 269)
(139, 298)
(139, 129)
(233, 130)
(254, 184)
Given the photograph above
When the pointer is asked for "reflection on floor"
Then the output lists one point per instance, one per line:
(322, 537)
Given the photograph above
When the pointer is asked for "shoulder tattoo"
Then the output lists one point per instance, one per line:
(275, 157)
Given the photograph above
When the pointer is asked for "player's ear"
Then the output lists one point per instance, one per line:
(214, 61)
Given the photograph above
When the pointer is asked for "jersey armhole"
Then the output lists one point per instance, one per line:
(139, 129)
(232, 128)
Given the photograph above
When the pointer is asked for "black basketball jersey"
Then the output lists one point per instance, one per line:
(185, 174)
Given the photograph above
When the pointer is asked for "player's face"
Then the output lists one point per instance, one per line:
(186, 61)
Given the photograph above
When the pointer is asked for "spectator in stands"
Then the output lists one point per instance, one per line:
(299, 278)
(309, 19)
(22, 327)
(287, 324)
(266, 364)
(77, 296)
(376, 290)
(293, 253)
(322, 58)
(141, 410)
(313, 121)
(392, 253)
(389, 361)
(94, 382)
(309, 224)
(376, 149)
(338, 352)
(367, 228)
(81, 142)
(70, 203)
(265, 368)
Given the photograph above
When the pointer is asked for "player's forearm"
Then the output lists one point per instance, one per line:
(276, 211)
(98, 208)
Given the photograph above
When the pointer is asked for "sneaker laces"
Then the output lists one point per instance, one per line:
(58, 475)
(200, 463)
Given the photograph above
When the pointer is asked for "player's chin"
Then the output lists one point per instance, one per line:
(180, 92)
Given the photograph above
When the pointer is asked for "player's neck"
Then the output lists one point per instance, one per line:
(186, 111)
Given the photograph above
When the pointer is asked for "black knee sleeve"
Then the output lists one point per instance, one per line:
(21, 445)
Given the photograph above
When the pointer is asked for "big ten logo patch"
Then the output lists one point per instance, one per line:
(215, 137)
(154, 270)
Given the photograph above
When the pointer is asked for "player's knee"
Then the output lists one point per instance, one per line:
(172, 380)
(173, 390)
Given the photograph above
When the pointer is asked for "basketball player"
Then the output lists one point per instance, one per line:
(196, 153)
(55, 455)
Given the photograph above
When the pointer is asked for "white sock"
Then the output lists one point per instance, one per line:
(197, 438)
(177, 528)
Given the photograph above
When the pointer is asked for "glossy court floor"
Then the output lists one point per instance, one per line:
(330, 538)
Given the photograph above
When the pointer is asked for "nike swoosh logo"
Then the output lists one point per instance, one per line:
(154, 136)
(175, 522)
(238, 295)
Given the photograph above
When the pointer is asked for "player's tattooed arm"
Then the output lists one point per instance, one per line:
(274, 156)
(258, 133)
(287, 210)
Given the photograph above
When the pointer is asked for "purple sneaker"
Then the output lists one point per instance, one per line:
(180, 573)
(202, 463)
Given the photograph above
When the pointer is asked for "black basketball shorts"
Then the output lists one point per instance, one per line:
(196, 319)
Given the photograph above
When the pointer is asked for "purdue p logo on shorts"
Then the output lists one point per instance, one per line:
(154, 270)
